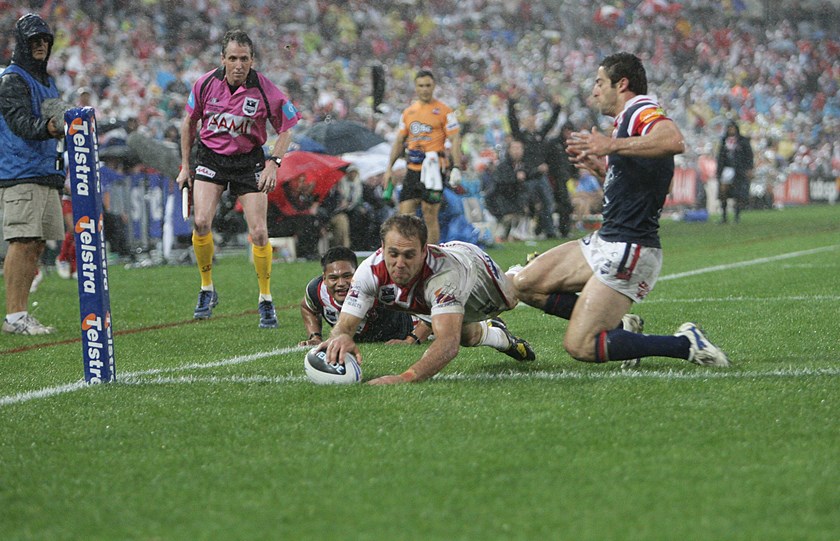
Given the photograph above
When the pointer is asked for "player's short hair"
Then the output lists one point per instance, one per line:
(424, 73)
(620, 65)
(407, 225)
(237, 36)
(339, 253)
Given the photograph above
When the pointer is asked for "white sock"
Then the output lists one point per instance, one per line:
(266, 298)
(493, 337)
(16, 316)
(211, 287)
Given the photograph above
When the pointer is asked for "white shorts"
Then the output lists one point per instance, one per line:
(628, 268)
(481, 288)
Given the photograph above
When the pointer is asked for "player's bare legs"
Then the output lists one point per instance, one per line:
(563, 269)
(255, 206)
(599, 308)
(206, 196)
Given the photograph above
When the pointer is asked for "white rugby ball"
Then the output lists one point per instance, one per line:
(319, 371)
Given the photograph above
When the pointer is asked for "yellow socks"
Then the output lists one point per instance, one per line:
(262, 264)
(204, 249)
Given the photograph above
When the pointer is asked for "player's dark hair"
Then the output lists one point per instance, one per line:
(621, 65)
(237, 36)
(339, 253)
(424, 73)
(407, 225)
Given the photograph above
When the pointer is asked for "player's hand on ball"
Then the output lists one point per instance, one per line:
(337, 347)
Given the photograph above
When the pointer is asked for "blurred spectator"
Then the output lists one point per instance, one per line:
(292, 211)
(560, 172)
(340, 208)
(115, 203)
(506, 198)
(536, 164)
(771, 65)
(587, 198)
(734, 170)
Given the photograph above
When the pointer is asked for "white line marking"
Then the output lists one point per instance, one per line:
(224, 362)
(135, 377)
(41, 393)
(748, 263)
(71, 387)
(792, 298)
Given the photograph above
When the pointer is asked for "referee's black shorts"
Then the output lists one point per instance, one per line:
(412, 188)
(239, 172)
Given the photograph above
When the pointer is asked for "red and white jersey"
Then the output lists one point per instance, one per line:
(456, 277)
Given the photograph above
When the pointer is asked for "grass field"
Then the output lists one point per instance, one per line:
(212, 431)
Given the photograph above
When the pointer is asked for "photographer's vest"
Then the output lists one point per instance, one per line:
(28, 158)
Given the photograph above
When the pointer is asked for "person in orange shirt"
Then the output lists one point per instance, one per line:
(424, 128)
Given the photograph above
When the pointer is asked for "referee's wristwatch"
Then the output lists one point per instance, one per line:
(275, 159)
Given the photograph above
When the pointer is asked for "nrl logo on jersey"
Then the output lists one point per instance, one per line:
(249, 107)
(388, 294)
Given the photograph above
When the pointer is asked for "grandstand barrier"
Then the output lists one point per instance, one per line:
(797, 189)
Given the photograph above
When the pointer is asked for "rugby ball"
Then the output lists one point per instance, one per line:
(320, 372)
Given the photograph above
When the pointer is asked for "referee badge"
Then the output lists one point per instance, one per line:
(249, 107)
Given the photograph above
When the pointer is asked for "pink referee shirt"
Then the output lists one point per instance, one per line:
(235, 123)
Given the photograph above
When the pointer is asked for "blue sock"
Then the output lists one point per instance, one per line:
(560, 304)
(620, 345)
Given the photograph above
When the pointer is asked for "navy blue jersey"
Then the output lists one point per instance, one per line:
(635, 188)
(378, 325)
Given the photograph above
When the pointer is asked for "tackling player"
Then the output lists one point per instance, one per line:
(618, 265)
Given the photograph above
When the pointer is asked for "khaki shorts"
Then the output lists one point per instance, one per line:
(31, 211)
(628, 268)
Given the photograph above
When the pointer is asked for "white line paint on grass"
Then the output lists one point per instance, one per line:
(699, 374)
(790, 298)
(129, 376)
(41, 393)
(748, 263)
(136, 377)
(143, 377)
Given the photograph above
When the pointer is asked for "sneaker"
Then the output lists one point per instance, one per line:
(530, 257)
(207, 300)
(39, 277)
(268, 317)
(632, 323)
(519, 349)
(702, 351)
(27, 325)
(63, 269)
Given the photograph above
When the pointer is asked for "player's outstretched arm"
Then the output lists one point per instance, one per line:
(447, 330)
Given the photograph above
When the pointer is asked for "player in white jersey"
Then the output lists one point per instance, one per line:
(456, 286)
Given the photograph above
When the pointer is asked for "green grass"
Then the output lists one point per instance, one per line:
(212, 432)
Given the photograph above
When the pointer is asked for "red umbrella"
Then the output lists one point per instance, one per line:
(322, 170)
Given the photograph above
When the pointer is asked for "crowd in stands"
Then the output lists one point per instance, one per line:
(776, 73)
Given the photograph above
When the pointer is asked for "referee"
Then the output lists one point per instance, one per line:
(233, 104)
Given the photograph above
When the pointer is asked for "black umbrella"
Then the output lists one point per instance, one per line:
(119, 152)
(164, 156)
(342, 136)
